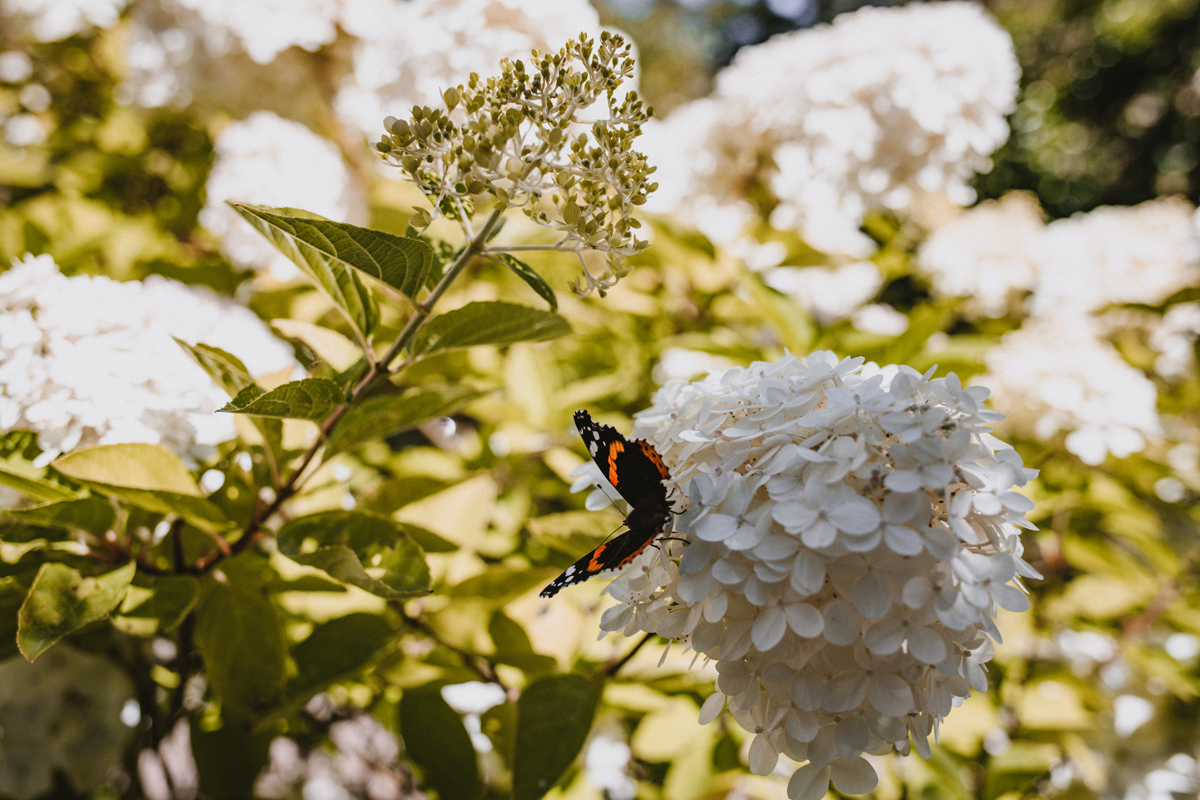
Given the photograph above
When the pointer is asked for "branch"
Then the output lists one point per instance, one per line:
(614, 665)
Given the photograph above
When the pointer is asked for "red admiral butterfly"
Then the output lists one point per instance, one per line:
(636, 470)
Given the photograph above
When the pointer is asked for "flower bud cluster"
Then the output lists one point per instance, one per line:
(523, 137)
(851, 532)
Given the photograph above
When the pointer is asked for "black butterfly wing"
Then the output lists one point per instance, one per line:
(634, 468)
(610, 555)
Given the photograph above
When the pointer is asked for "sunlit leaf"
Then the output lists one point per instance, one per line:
(554, 716)
(311, 398)
(335, 651)
(487, 322)
(363, 550)
(384, 415)
(527, 274)
(62, 600)
(91, 514)
(147, 475)
(330, 346)
(329, 255)
(158, 608)
(226, 369)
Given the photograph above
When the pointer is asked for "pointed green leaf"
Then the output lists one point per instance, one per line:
(336, 651)
(554, 716)
(31, 482)
(489, 322)
(312, 398)
(363, 550)
(513, 646)
(436, 740)
(242, 641)
(429, 541)
(147, 475)
(386, 414)
(527, 274)
(226, 369)
(158, 608)
(328, 345)
(230, 758)
(91, 514)
(61, 600)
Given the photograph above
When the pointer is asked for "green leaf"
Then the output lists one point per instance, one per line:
(147, 475)
(513, 646)
(384, 415)
(91, 514)
(793, 325)
(554, 716)
(230, 758)
(436, 740)
(330, 346)
(241, 638)
(429, 541)
(335, 651)
(61, 601)
(312, 398)
(488, 322)
(159, 608)
(527, 274)
(341, 542)
(226, 369)
(31, 482)
(500, 584)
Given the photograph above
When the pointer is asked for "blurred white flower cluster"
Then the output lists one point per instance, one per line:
(851, 533)
(1058, 374)
(884, 109)
(88, 360)
(267, 160)
(62, 713)
(408, 53)
(23, 123)
(54, 20)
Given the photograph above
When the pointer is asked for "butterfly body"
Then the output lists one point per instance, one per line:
(637, 472)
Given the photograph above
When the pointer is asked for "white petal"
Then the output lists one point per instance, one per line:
(763, 756)
(871, 595)
(917, 592)
(793, 515)
(890, 694)
(807, 690)
(821, 534)
(901, 540)
(776, 547)
(884, 637)
(808, 573)
(805, 620)
(1010, 598)
(802, 725)
(696, 557)
(808, 783)
(769, 627)
(845, 692)
(730, 570)
(926, 645)
(716, 527)
(715, 606)
(851, 736)
(853, 776)
(842, 622)
(712, 707)
(855, 515)
(903, 480)
(694, 588)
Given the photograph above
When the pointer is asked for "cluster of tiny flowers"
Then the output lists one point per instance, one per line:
(406, 54)
(850, 534)
(267, 160)
(881, 110)
(88, 360)
(520, 142)
(1056, 374)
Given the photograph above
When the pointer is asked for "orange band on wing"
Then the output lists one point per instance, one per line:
(615, 449)
(595, 565)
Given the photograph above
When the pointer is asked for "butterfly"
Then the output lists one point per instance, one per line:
(636, 470)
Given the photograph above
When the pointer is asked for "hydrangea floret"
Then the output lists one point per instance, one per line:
(850, 532)
(526, 138)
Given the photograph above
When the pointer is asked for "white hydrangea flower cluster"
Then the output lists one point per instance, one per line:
(267, 160)
(883, 109)
(1056, 374)
(89, 360)
(988, 255)
(408, 53)
(851, 532)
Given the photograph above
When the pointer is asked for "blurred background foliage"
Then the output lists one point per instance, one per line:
(1093, 694)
